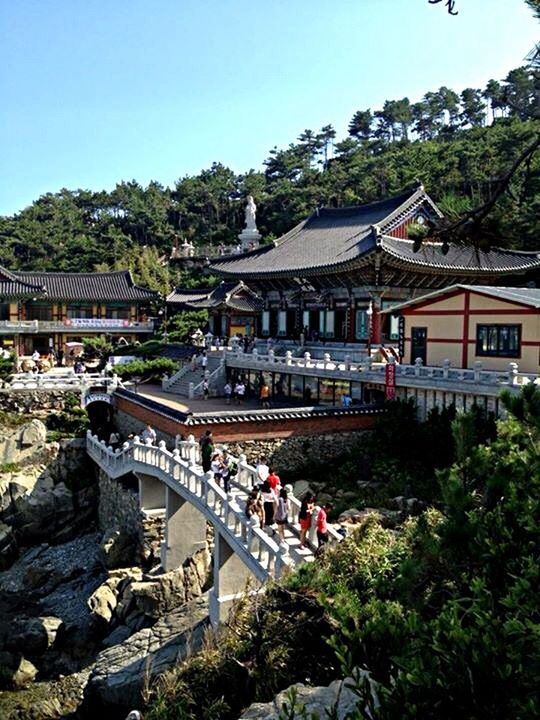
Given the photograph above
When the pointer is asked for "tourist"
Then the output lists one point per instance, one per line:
(114, 440)
(148, 435)
(322, 525)
(36, 356)
(205, 389)
(194, 362)
(215, 467)
(204, 361)
(274, 480)
(269, 503)
(239, 391)
(207, 451)
(304, 516)
(254, 508)
(227, 391)
(262, 470)
(346, 401)
(265, 395)
(246, 343)
(226, 466)
(282, 512)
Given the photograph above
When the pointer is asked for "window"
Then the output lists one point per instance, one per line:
(393, 324)
(498, 341)
(79, 311)
(116, 313)
(34, 311)
(362, 325)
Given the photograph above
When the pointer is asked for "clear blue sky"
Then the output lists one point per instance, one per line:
(97, 91)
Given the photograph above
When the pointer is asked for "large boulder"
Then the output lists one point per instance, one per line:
(118, 548)
(31, 635)
(121, 672)
(337, 700)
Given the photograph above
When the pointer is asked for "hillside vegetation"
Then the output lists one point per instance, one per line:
(444, 614)
(459, 146)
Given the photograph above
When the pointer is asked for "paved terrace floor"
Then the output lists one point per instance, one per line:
(212, 405)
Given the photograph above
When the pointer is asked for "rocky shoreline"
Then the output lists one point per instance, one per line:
(87, 618)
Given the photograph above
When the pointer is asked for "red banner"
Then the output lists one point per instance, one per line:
(390, 381)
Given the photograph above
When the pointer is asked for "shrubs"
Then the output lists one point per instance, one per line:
(146, 369)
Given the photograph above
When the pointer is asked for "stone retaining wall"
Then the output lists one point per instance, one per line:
(119, 509)
(30, 401)
(291, 454)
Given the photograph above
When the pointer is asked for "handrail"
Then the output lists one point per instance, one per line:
(211, 378)
(69, 324)
(22, 381)
(168, 382)
(375, 372)
(259, 551)
(180, 471)
(246, 479)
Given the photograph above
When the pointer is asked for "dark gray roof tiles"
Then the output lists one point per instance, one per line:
(236, 296)
(98, 287)
(329, 237)
(459, 257)
(13, 287)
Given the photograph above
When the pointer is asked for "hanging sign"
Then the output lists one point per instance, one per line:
(390, 381)
(401, 337)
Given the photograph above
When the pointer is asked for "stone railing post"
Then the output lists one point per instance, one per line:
(418, 366)
(477, 370)
(271, 356)
(445, 368)
(347, 362)
(191, 390)
(255, 354)
(326, 360)
(288, 358)
(512, 373)
(307, 359)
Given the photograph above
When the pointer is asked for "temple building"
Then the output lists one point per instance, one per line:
(45, 310)
(234, 309)
(332, 275)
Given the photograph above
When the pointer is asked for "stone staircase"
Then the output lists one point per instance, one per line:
(180, 385)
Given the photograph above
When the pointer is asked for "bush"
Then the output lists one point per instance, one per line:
(146, 370)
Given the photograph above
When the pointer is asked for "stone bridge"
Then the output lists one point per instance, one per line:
(244, 554)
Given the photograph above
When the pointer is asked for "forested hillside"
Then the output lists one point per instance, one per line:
(459, 146)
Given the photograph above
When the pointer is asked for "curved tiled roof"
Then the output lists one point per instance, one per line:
(329, 237)
(236, 296)
(98, 287)
(459, 257)
(180, 296)
(12, 286)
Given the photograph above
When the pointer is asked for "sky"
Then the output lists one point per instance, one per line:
(93, 92)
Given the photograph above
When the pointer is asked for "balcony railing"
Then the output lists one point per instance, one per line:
(79, 325)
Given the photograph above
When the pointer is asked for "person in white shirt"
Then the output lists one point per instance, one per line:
(149, 434)
(262, 470)
(36, 356)
(239, 391)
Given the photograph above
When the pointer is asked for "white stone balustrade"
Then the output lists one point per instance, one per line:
(174, 481)
(416, 375)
